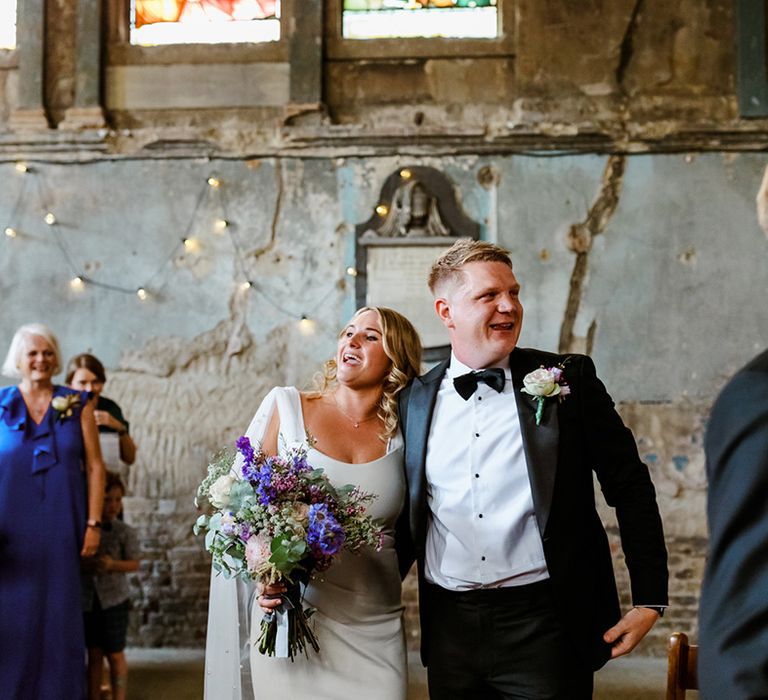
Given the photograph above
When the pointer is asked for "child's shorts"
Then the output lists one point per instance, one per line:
(106, 628)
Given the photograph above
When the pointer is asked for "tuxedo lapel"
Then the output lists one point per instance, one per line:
(540, 442)
(421, 403)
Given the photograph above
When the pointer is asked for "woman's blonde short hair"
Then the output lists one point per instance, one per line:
(402, 345)
(20, 337)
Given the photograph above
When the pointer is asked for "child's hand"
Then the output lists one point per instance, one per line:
(104, 563)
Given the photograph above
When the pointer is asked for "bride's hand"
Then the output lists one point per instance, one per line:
(270, 596)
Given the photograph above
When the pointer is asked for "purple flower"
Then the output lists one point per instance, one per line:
(245, 531)
(299, 463)
(325, 536)
(246, 449)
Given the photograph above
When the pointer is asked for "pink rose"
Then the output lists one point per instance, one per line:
(257, 551)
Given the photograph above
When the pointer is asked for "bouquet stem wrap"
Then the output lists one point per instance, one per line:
(286, 632)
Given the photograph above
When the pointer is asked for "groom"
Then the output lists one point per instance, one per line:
(516, 587)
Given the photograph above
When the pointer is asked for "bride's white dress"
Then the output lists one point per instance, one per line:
(359, 618)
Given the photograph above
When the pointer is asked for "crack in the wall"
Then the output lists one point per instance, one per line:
(258, 252)
(627, 48)
(579, 240)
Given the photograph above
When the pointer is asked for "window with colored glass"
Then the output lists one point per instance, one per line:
(159, 22)
(7, 24)
(382, 19)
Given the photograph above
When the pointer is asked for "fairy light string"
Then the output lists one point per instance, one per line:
(212, 191)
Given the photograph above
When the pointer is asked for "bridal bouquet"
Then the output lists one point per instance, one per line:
(277, 519)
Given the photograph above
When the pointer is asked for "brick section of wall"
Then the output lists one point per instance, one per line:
(170, 590)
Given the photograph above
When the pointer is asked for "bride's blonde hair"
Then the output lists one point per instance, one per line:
(402, 345)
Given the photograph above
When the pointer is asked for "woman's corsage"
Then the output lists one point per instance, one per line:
(65, 405)
(545, 383)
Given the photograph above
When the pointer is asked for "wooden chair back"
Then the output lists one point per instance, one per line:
(681, 666)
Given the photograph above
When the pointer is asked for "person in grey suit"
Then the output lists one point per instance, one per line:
(733, 615)
(516, 587)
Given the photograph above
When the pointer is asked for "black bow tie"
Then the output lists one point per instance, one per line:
(466, 384)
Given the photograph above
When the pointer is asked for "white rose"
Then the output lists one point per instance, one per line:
(60, 403)
(218, 494)
(541, 383)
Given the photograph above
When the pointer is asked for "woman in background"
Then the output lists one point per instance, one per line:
(51, 493)
(86, 373)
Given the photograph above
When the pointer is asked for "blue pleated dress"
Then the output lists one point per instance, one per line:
(42, 523)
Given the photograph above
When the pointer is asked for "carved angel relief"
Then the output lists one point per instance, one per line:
(413, 213)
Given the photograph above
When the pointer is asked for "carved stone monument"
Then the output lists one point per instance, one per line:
(417, 216)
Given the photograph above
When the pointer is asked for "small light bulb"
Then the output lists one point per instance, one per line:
(214, 181)
(351, 271)
(190, 244)
(10, 232)
(306, 326)
(382, 209)
(405, 174)
(50, 218)
(142, 293)
(21, 167)
(220, 225)
(77, 283)
(246, 285)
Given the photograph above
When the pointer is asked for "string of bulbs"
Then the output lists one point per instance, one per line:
(221, 225)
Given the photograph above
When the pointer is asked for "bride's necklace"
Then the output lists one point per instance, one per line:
(355, 422)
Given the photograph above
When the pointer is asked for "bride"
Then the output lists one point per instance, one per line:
(359, 611)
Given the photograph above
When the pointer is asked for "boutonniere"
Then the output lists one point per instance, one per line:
(545, 383)
(65, 405)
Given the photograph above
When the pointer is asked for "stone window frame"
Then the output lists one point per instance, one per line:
(752, 68)
(339, 48)
(9, 58)
(120, 51)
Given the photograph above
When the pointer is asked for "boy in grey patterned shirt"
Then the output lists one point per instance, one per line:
(106, 594)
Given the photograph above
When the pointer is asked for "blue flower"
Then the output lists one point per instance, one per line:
(325, 536)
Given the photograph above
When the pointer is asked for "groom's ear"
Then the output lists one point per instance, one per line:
(443, 309)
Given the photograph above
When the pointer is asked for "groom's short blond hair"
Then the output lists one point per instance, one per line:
(447, 268)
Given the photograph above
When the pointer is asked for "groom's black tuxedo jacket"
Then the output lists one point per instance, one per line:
(577, 436)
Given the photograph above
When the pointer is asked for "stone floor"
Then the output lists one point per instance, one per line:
(177, 674)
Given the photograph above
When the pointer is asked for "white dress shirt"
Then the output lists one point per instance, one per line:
(482, 529)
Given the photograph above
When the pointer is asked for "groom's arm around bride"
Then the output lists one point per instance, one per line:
(516, 586)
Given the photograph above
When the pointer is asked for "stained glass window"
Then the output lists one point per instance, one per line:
(155, 22)
(380, 19)
(7, 24)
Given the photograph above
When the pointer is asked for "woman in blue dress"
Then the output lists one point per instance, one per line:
(51, 492)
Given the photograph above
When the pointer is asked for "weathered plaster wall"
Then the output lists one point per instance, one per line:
(621, 75)
(652, 263)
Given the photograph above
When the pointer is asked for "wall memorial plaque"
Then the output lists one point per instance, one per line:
(416, 218)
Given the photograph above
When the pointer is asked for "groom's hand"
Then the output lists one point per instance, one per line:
(626, 634)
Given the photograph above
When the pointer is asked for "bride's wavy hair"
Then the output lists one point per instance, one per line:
(402, 345)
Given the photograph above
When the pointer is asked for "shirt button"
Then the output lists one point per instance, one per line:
(480, 516)
(482, 558)
(477, 476)
(477, 434)
(479, 398)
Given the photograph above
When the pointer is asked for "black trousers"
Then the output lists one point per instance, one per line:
(501, 644)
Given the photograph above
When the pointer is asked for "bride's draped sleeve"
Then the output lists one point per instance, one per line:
(227, 646)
